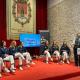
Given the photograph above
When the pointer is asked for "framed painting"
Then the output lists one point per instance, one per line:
(20, 17)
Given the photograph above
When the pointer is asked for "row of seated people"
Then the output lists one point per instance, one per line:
(62, 54)
(9, 54)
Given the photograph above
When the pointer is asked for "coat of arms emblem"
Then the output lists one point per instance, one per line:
(22, 11)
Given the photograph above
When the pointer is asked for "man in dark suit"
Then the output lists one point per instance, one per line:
(76, 51)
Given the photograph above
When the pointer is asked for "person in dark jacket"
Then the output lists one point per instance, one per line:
(6, 57)
(76, 49)
(13, 50)
(77, 39)
(77, 55)
(2, 57)
(47, 53)
(55, 50)
(42, 46)
(65, 52)
(26, 54)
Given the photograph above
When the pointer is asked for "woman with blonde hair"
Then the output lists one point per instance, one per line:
(13, 51)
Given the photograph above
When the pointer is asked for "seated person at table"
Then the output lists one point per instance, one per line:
(26, 54)
(65, 52)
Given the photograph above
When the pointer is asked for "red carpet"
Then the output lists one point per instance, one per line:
(43, 71)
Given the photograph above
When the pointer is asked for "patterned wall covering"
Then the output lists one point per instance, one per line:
(64, 21)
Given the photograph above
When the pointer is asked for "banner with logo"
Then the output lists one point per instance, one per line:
(21, 17)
